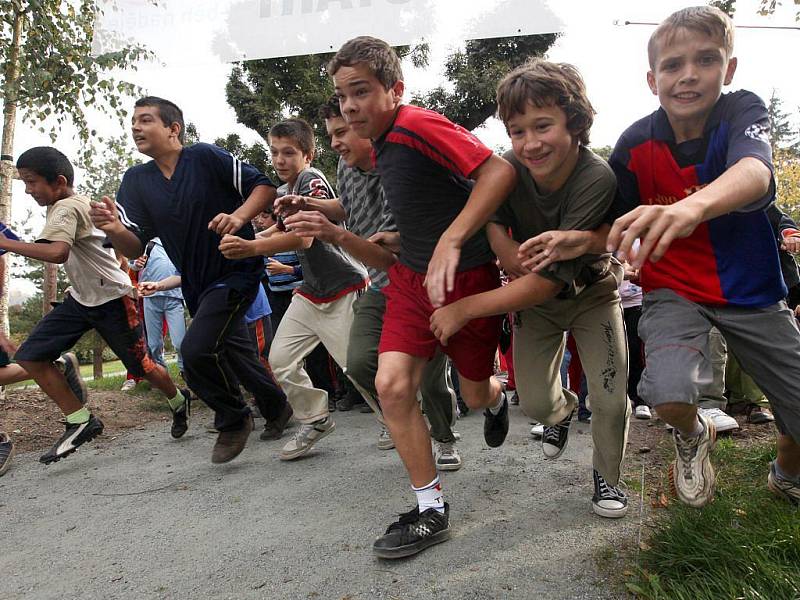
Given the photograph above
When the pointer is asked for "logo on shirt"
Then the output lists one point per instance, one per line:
(317, 188)
(758, 132)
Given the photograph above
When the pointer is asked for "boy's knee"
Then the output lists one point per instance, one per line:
(540, 406)
(394, 391)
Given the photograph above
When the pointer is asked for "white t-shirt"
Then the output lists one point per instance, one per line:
(93, 271)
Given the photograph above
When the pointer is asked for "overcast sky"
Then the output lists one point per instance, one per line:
(611, 57)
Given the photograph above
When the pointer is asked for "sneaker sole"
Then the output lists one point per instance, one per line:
(50, 460)
(559, 453)
(609, 513)
(710, 476)
(306, 449)
(385, 445)
(448, 467)
(412, 549)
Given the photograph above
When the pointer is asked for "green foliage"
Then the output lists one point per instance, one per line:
(264, 92)
(58, 76)
(103, 170)
(782, 133)
(768, 7)
(603, 152)
(726, 6)
(746, 544)
(474, 72)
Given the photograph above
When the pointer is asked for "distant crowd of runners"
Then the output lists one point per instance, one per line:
(399, 274)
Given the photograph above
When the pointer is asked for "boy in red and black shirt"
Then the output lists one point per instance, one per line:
(442, 185)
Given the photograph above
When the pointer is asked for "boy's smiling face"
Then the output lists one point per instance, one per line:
(688, 73)
(288, 158)
(542, 142)
(41, 190)
(366, 104)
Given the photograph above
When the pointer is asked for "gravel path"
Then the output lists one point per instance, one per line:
(145, 516)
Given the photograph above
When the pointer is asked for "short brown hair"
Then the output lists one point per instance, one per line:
(331, 109)
(544, 83)
(704, 19)
(298, 130)
(377, 55)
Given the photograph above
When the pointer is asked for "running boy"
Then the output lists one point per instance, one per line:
(562, 185)
(426, 164)
(189, 197)
(362, 199)
(100, 297)
(321, 310)
(695, 178)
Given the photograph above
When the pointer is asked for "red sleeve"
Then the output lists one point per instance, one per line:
(439, 139)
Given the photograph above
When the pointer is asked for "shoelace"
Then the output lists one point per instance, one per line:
(687, 450)
(445, 448)
(609, 491)
(552, 434)
(304, 430)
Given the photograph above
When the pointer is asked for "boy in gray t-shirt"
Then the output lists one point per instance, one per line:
(561, 185)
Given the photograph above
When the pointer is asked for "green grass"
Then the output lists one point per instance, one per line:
(744, 545)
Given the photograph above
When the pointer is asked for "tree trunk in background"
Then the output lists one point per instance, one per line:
(97, 356)
(49, 287)
(7, 171)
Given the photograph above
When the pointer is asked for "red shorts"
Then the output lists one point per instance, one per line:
(406, 323)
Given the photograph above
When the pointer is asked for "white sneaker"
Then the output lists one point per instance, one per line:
(385, 441)
(537, 431)
(447, 457)
(691, 473)
(643, 412)
(305, 438)
(128, 385)
(722, 421)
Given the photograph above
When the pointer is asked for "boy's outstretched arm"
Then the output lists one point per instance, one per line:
(105, 217)
(52, 252)
(550, 247)
(657, 226)
(234, 247)
(293, 203)
(494, 180)
(259, 200)
(519, 294)
(314, 224)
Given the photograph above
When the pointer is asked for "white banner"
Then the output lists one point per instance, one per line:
(187, 31)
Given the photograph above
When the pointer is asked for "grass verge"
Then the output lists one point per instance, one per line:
(745, 544)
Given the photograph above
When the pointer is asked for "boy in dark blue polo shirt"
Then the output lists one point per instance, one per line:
(190, 197)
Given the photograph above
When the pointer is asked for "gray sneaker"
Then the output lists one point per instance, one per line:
(782, 488)
(691, 473)
(385, 441)
(305, 438)
(447, 457)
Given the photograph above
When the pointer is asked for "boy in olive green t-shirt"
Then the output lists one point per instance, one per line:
(562, 186)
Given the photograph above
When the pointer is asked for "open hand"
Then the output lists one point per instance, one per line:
(104, 214)
(289, 204)
(441, 275)
(791, 243)
(386, 239)
(550, 247)
(313, 224)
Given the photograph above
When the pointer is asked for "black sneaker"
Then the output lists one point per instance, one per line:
(608, 501)
(514, 400)
(74, 436)
(68, 364)
(331, 403)
(349, 401)
(555, 437)
(495, 427)
(463, 409)
(180, 417)
(414, 532)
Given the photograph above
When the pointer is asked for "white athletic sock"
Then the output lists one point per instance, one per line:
(430, 496)
(495, 410)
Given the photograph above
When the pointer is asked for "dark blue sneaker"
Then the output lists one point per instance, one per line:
(495, 427)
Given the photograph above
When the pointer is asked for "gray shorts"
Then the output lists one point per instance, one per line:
(678, 363)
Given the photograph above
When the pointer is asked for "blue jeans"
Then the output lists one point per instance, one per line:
(156, 309)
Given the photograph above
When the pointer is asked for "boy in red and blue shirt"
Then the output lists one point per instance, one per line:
(695, 178)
